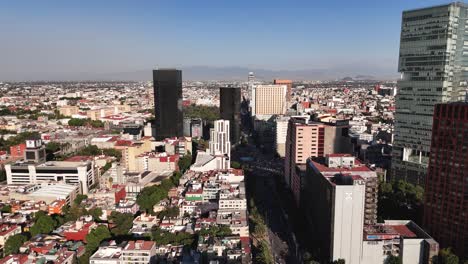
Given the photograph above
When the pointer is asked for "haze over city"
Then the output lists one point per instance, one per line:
(118, 40)
(234, 132)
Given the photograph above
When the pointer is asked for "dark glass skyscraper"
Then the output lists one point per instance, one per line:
(446, 194)
(230, 104)
(168, 103)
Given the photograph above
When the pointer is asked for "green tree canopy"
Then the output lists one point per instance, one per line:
(185, 162)
(43, 225)
(165, 237)
(393, 260)
(207, 113)
(122, 223)
(169, 212)
(13, 244)
(447, 257)
(80, 198)
(96, 213)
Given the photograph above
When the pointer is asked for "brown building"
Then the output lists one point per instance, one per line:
(446, 193)
(288, 84)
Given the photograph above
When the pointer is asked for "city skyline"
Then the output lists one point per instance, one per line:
(86, 41)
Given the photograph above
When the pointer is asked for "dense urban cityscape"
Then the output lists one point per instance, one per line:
(354, 170)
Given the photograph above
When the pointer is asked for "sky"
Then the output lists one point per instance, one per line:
(59, 38)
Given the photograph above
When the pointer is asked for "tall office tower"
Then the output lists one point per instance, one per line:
(269, 100)
(220, 143)
(168, 103)
(446, 193)
(288, 84)
(335, 214)
(306, 139)
(230, 106)
(433, 62)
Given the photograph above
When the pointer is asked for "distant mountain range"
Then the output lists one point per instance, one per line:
(220, 73)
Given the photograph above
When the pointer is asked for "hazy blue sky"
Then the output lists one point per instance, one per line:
(58, 37)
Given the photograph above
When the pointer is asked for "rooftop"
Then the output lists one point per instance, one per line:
(139, 245)
(59, 191)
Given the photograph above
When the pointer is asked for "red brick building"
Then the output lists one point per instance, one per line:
(17, 151)
(446, 193)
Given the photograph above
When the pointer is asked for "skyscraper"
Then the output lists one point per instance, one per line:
(229, 101)
(269, 100)
(168, 103)
(446, 194)
(433, 62)
(219, 140)
(288, 84)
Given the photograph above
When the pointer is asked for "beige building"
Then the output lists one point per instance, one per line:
(130, 153)
(269, 100)
(307, 139)
(69, 110)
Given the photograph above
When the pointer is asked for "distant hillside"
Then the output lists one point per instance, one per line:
(220, 73)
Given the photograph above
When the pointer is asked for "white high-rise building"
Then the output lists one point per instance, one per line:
(220, 143)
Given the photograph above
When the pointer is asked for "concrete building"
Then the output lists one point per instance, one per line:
(111, 254)
(193, 127)
(288, 84)
(335, 214)
(446, 193)
(35, 151)
(281, 131)
(229, 109)
(6, 231)
(399, 238)
(269, 100)
(433, 64)
(346, 164)
(306, 139)
(220, 143)
(69, 110)
(168, 103)
(139, 252)
(73, 173)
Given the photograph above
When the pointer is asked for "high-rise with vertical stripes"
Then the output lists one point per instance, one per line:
(433, 63)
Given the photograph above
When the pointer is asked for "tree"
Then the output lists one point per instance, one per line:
(207, 113)
(43, 225)
(93, 239)
(80, 198)
(263, 256)
(122, 223)
(152, 195)
(6, 208)
(77, 122)
(52, 147)
(185, 162)
(13, 244)
(235, 165)
(216, 231)
(96, 213)
(165, 237)
(169, 212)
(392, 260)
(447, 257)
